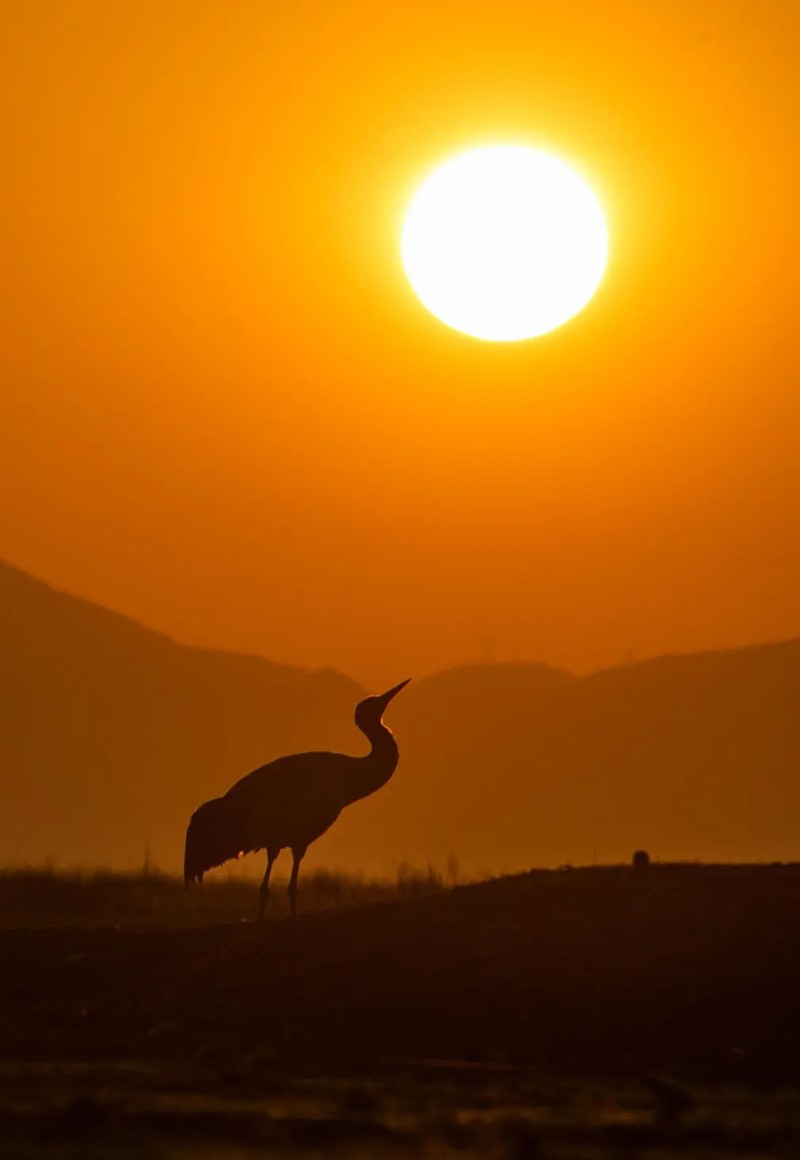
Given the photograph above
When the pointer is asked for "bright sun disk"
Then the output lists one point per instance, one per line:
(504, 243)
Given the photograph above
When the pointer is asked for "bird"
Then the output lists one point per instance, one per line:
(290, 802)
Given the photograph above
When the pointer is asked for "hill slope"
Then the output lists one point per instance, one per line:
(112, 733)
(691, 757)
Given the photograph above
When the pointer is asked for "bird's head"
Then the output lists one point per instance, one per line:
(370, 711)
(212, 838)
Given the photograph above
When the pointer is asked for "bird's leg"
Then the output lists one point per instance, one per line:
(298, 853)
(263, 893)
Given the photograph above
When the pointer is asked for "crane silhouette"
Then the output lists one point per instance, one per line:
(290, 802)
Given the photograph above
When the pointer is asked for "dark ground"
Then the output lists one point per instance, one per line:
(596, 1013)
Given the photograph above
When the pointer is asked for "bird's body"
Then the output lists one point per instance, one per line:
(294, 800)
(290, 802)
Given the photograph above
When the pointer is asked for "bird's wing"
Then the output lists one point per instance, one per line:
(298, 775)
(292, 799)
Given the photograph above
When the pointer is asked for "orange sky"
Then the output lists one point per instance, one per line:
(224, 412)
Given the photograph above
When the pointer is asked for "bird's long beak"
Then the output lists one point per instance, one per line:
(386, 697)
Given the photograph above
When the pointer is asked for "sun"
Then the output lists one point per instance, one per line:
(504, 243)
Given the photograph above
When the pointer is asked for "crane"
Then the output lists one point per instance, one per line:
(290, 802)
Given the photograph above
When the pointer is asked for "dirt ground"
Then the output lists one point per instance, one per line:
(580, 1013)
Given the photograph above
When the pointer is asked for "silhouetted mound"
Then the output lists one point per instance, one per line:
(686, 965)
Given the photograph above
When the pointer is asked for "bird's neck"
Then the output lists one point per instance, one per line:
(374, 770)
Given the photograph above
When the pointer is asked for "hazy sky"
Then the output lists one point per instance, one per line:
(224, 412)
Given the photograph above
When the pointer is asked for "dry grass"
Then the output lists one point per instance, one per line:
(46, 897)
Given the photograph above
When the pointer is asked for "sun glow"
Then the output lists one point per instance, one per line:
(504, 243)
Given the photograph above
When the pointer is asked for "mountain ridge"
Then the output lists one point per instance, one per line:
(112, 733)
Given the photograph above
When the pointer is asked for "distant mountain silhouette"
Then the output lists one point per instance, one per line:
(110, 735)
(690, 757)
